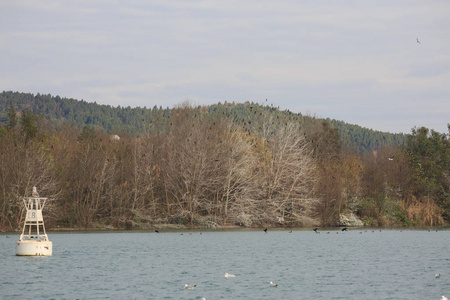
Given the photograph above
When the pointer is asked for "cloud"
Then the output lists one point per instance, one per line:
(340, 59)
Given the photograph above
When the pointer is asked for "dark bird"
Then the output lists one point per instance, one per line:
(265, 230)
(315, 229)
(156, 231)
(344, 229)
(417, 39)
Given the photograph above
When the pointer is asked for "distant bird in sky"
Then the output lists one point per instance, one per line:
(273, 284)
(229, 275)
(417, 39)
(189, 287)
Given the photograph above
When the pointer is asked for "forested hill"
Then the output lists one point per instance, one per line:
(133, 121)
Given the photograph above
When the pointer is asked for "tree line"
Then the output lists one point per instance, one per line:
(208, 166)
(134, 121)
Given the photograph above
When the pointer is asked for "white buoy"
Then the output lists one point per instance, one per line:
(34, 241)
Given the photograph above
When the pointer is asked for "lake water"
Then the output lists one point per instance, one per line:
(390, 264)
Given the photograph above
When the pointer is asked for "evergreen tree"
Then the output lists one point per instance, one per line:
(30, 128)
(12, 119)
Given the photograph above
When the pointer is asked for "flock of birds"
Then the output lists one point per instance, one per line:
(226, 275)
(316, 230)
(271, 283)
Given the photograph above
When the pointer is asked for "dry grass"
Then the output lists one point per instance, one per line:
(423, 211)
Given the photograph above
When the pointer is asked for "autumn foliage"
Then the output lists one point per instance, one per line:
(193, 167)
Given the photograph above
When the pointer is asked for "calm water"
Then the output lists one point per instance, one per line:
(370, 265)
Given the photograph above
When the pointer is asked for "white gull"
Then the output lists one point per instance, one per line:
(189, 287)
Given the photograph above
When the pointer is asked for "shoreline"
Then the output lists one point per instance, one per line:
(162, 229)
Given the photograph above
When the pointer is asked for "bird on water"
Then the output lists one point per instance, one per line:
(229, 275)
(189, 287)
(272, 284)
(344, 229)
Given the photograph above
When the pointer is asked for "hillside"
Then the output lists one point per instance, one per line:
(239, 164)
(134, 121)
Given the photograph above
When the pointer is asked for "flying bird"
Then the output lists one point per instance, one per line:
(265, 230)
(417, 39)
(344, 229)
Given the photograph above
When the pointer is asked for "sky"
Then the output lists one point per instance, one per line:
(356, 61)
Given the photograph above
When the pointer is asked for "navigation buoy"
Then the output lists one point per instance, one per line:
(34, 240)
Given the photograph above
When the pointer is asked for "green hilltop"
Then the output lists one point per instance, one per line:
(134, 121)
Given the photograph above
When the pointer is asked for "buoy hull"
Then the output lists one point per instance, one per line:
(34, 248)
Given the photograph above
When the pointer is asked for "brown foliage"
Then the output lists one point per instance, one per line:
(423, 212)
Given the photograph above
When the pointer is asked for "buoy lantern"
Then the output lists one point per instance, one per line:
(34, 240)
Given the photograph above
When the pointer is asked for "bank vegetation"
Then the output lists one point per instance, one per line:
(191, 166)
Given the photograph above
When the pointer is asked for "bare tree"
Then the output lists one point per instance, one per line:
(23, 166)
(289, 176)
(90, 176)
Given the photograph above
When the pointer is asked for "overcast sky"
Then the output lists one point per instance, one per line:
(356, 61)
